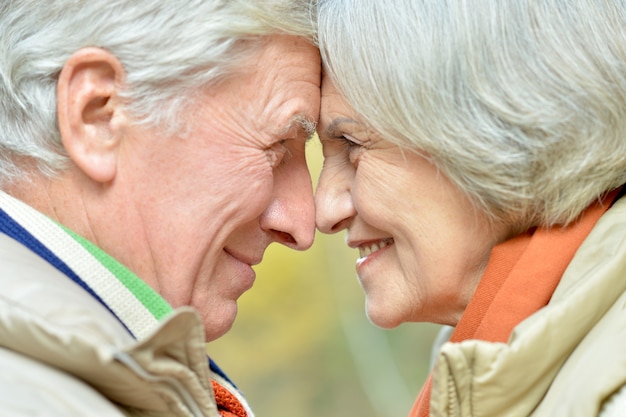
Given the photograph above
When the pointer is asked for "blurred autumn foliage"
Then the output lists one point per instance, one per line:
(302, 347)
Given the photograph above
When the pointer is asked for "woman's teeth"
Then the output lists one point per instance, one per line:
(368, 249)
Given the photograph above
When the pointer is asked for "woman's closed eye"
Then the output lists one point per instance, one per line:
(347, 140)
(352, 146)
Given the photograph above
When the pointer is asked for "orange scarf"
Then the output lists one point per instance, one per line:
(520, 278)
(227, 404)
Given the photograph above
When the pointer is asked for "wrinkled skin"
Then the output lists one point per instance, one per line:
(423, 246)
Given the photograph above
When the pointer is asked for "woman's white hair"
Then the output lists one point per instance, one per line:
(169, 49)
(521, 103)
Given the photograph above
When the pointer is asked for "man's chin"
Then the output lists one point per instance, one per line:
(217, 324)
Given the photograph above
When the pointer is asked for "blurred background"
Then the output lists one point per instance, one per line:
(302, 346)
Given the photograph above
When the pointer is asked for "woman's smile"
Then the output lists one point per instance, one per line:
(366, 250)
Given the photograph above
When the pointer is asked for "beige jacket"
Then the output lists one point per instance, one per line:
(62, 353)
(567, 359)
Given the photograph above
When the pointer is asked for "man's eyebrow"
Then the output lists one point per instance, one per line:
(332, 127)
(304, 123)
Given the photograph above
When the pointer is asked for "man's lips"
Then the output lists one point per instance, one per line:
(242, 271)
(246, 259)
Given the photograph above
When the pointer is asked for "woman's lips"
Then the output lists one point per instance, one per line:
(370, 249)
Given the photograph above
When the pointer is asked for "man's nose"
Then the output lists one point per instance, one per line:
(333, 200)
(290, 216)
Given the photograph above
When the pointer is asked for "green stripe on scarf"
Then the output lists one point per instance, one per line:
(155, 304)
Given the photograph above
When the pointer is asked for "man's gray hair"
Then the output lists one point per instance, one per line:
(169, 50)
(521, 103)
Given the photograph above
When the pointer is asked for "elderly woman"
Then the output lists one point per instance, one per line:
(475, 154)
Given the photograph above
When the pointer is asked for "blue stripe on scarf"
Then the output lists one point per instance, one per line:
(11, 228)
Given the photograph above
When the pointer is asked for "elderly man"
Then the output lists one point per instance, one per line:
(150, 152)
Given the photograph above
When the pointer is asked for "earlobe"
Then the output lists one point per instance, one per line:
(88, 111)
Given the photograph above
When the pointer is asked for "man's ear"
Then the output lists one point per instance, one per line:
(89, 111)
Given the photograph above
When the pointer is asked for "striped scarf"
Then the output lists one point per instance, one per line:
(128, 298)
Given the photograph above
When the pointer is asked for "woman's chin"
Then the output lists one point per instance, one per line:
(381, 317)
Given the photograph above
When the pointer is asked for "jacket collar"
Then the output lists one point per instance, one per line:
(137, 307)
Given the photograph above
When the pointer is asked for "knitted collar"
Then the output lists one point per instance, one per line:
(129, 299)
(521, 275)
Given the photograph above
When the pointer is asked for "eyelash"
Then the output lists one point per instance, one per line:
(350, 143)
(354, 149)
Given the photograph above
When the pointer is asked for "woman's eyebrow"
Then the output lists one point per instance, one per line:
(332, 127)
